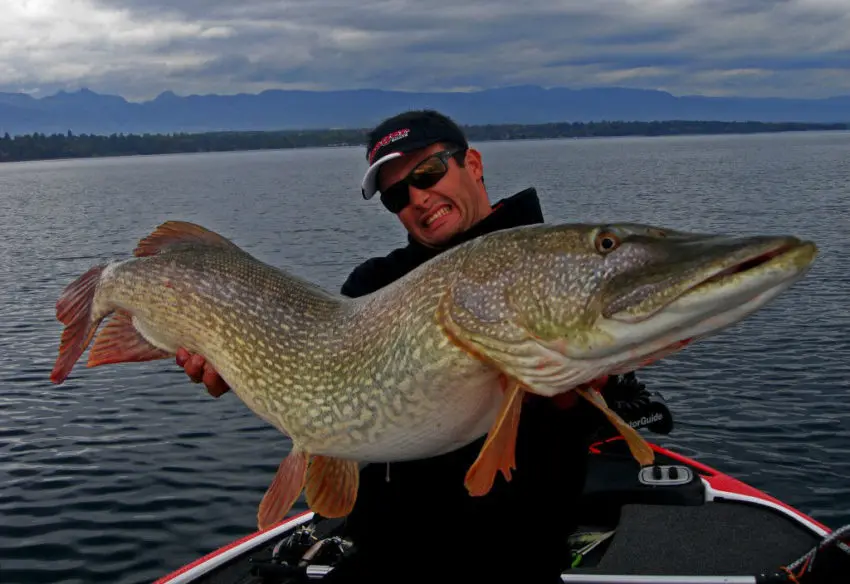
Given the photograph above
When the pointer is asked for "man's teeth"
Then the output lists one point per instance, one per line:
(431, 218)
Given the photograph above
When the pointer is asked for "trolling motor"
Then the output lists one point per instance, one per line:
(638, 407)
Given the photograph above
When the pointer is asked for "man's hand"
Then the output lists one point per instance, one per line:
(199, 371)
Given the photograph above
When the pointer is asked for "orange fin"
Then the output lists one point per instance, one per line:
(332, 485)
(639, 447)
(284, 490)
(120, 342)
(180, 234)
(74, 310)
(498, 452)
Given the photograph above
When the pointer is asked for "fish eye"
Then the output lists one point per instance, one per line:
(606, 242)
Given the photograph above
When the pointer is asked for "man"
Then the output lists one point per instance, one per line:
(415, 520)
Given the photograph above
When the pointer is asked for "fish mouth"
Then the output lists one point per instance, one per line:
(777, 265)
(733, 279)
(757, 260)
(715, 301)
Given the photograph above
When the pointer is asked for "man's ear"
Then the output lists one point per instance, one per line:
(474, 164)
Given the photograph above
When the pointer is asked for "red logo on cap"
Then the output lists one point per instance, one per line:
(388, 139)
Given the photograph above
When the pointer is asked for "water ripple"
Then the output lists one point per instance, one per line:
(127, 472)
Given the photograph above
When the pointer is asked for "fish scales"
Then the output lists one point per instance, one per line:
(339, 372)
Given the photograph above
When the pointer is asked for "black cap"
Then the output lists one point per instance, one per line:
(404, 133)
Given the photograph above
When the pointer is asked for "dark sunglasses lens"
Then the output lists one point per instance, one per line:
(426, 180)
(428, 172)
(396, 197)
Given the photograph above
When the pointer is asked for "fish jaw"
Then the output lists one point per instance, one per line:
(613, 328)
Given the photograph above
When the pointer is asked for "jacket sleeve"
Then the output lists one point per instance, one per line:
(369, 276)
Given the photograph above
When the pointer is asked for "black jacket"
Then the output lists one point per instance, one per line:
(522, 208)
(424, 519)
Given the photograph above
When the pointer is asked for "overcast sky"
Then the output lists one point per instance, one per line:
(139, 48)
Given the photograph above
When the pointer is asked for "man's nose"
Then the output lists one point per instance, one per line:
(419, 197)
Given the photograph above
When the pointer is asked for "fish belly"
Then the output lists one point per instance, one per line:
(466, 413)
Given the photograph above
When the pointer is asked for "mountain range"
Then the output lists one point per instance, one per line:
(87, 112)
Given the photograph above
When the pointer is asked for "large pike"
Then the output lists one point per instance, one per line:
(433, 361)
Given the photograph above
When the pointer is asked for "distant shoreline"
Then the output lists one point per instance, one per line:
(37, 146)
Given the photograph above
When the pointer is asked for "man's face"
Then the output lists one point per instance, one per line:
(453, 205)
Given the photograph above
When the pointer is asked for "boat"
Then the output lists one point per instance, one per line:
(676, 522)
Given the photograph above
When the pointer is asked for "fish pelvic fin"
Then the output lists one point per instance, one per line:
(332, 485)
(74, 309)
(120, 342)
(173, 235)
(640, 449)
(499, 450)
(284, 490)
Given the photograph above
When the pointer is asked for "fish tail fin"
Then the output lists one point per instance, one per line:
(74, 309)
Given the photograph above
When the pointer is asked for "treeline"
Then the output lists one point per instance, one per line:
(611, 129)
(39, 146)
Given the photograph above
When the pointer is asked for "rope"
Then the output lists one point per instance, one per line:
(797, 569)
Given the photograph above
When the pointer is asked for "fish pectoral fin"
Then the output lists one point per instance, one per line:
(639, 447)
(181, 234)
(332, 485)
(120, 342)
(499, 450)
(284, 489)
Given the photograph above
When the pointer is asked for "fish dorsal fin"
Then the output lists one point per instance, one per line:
(172, 235)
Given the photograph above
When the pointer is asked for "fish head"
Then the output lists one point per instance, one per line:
(558, 306)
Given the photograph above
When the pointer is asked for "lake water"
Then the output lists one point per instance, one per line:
(127, 472)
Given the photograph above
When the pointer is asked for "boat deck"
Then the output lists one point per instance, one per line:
(718, 538)
(660, 530)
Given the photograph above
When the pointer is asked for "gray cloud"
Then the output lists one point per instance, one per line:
(139, 48)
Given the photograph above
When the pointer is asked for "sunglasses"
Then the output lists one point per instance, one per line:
(423, 176)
